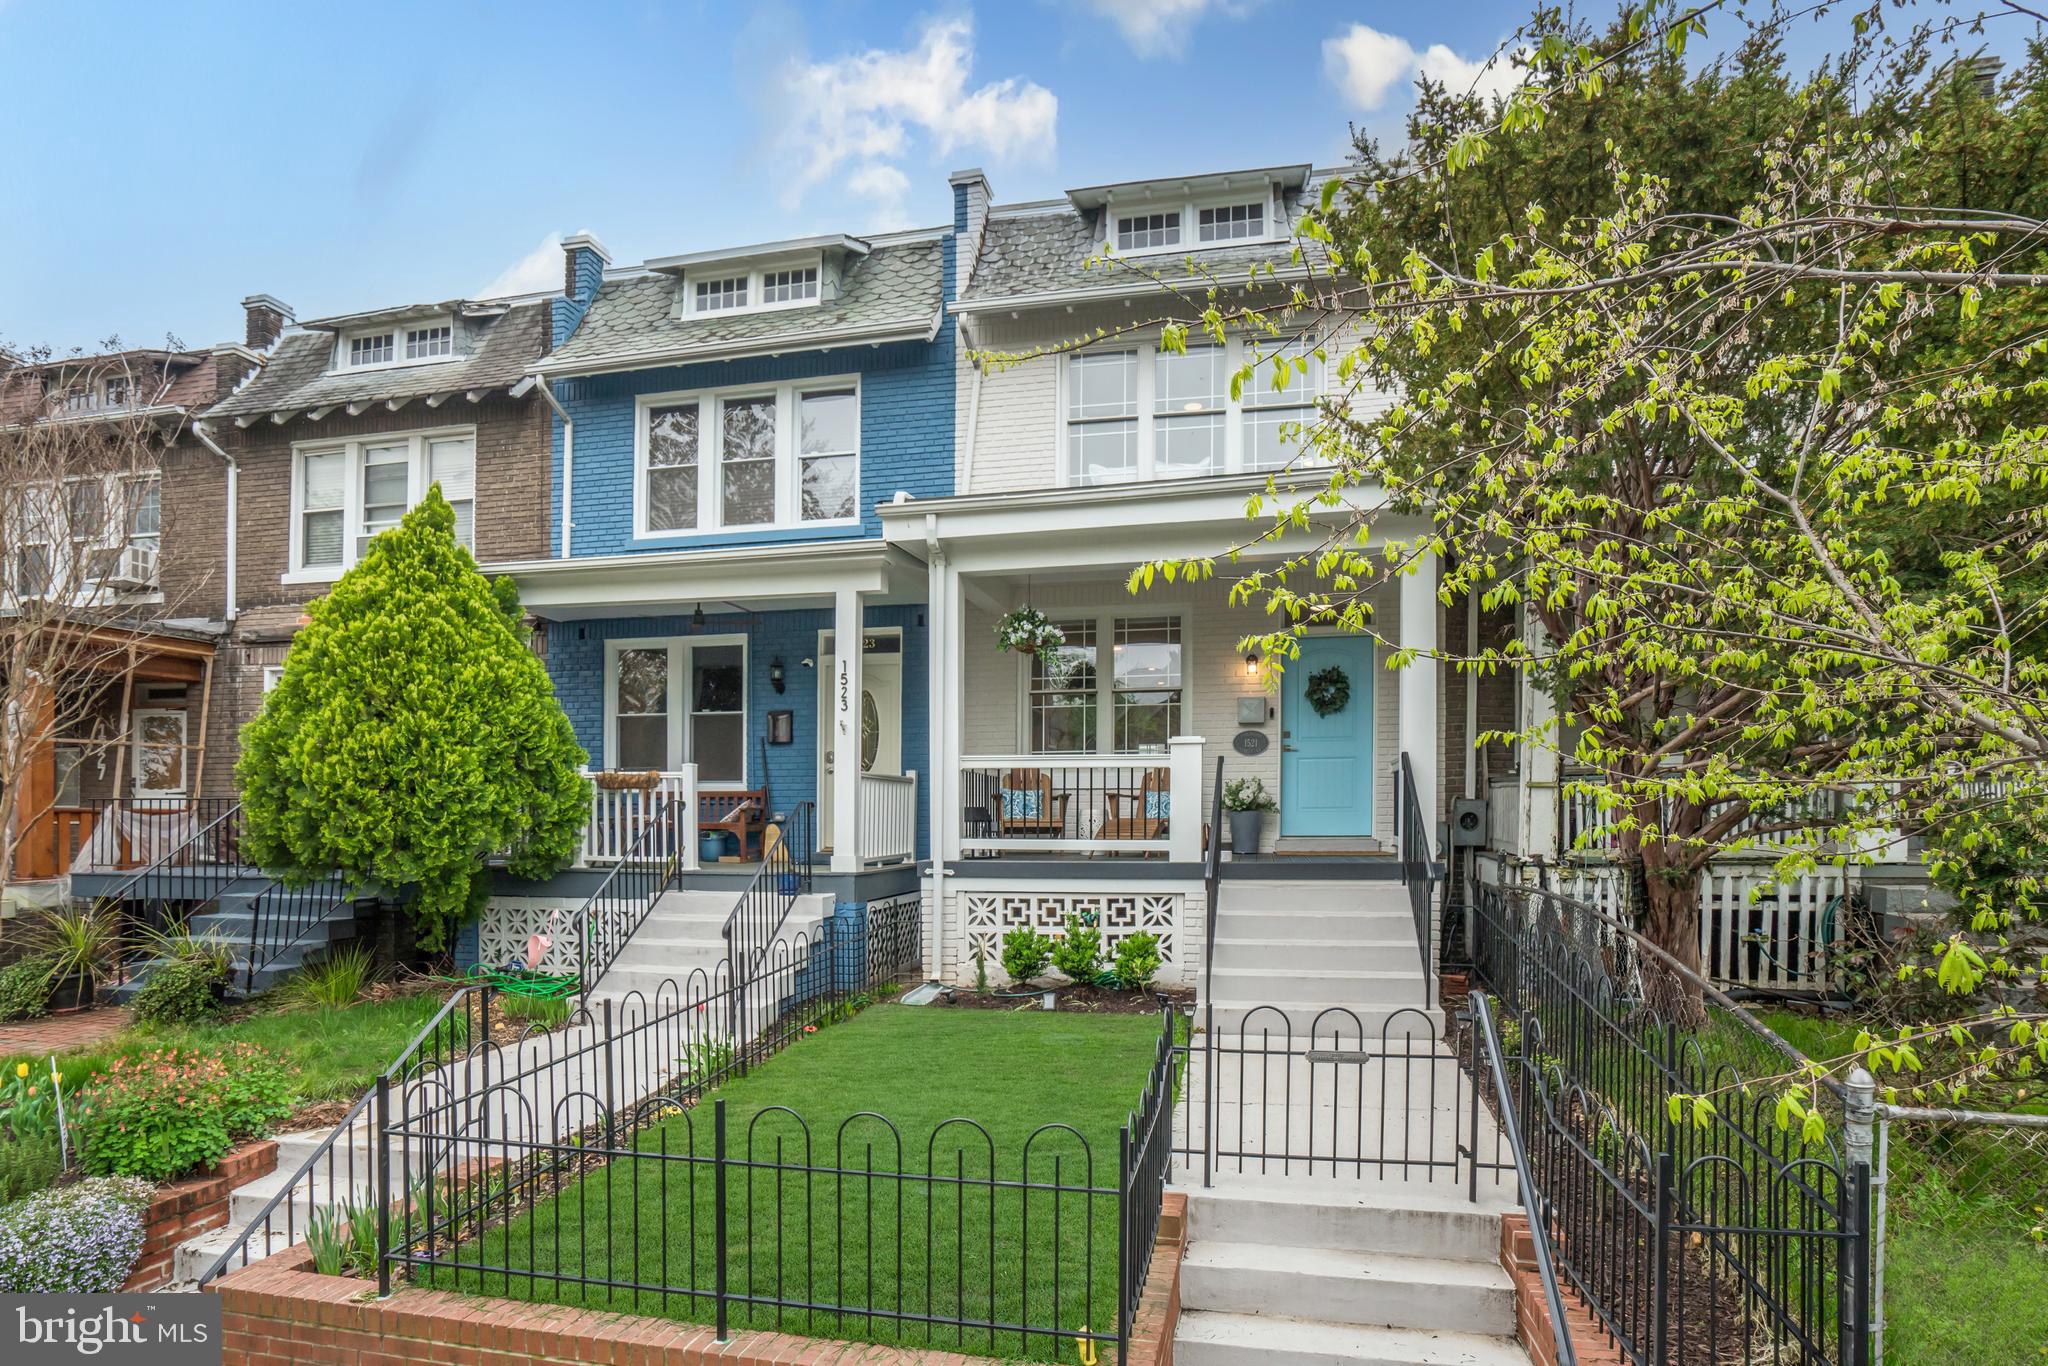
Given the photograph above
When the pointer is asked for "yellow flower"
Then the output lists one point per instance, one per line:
(21, 1069)
(57, 1078)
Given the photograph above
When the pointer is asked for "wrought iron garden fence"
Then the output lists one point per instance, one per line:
(600, 1170)
(1694, 1236)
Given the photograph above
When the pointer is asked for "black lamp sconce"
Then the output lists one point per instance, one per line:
(1251, 665)
(775, 675)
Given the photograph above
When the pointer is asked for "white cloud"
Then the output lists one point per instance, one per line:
(1366, 64)
(864, 108)
(887, 188)
(1160, 28)
(537, 272)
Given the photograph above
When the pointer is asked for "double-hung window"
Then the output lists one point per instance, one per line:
(413, 343)
(345, 493)
(1149, 413)
(1192, 223)
(742, 287)
(373, 349)
(1130, 704)
(748, 458)
(789, 286)
(1148, 231)
(1102, 417)
(719, 296)
(680, 701)
(429, 343)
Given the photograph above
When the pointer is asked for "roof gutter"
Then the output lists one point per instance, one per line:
(234, 479)
(547, 392)
(1109, 293)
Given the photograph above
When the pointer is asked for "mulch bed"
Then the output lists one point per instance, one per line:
(1087, 1000)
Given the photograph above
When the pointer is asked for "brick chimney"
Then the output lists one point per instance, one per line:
(583, 261)
(268, 316)
(970, 216)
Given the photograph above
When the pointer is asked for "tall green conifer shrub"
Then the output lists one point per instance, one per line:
(413, 734)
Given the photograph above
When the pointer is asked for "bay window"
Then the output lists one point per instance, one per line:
(1150, 413)
(748, 458)
(1132, 706)
(345, 492)
(670, 702)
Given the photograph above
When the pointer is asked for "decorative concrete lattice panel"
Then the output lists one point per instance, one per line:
(507, 925)
(1119, 915)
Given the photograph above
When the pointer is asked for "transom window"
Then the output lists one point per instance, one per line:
(1133, 706)
(715, 296)
(346, 492)
(427, 343)
(729, 460)
(1145, 413)
(675, 702)
(1148, 231)
(1231, 222)
(789, 286)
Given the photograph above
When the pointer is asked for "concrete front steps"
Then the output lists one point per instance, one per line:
(353, 1175)
(684, 934)
(232, 920)
(1351, 1272)
(1310, 950)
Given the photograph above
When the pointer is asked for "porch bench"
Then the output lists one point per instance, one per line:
(742, 814)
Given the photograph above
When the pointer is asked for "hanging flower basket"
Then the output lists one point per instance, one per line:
(1328, 691)
(626, 780)
(1028, 631)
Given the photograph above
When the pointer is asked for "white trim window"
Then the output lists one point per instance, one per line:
(732, 287)
(159, 752)
(1132, 704)
(747, 458)
(1195, 223)
(345, 492)
(393, 344)
(675, 701)
(1138, 412)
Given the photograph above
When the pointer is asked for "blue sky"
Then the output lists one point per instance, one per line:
(168, 159)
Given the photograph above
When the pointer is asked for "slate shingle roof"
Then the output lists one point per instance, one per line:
(892, 285)
(298, 375)
(1036, 253)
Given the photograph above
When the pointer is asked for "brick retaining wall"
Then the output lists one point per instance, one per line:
(1590, 1342)
(279, 1311)
(193, 1206)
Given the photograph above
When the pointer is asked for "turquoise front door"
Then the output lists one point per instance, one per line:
(1326, 757)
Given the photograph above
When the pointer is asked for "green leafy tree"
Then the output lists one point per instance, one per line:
(413, 734)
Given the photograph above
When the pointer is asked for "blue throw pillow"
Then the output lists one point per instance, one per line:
(1158, 805)
(1022, 803)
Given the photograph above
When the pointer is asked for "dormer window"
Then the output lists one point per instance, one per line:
(399, 343)
(789, 286)
(718, 296)
(1147, 231)
(1231, 222)
(370, 350)
(429, 343)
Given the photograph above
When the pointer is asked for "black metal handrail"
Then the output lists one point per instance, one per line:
(281, 916)
(1144, 1166)
(784, 875)
(339, 1173)
(619, 906)
(1212, 878)
(1533, 1199)
(1421, 871)
(178, 875)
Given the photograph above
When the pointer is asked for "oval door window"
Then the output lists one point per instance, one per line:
(870, 730)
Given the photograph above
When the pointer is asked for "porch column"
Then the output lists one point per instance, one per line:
(1421, 688)
(1537, 794)
(849, 631)
(1186, 810)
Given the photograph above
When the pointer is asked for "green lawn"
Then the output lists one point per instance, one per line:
(328, 1054)
(854, 1239)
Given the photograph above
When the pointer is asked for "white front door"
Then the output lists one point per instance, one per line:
(881, 717)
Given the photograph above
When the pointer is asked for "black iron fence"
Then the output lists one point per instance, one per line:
(762, 909)
(1421, 870)
(1699, 1235)
(597, 1167)
(622, 900)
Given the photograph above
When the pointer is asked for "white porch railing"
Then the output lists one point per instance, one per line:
(888, 817)
(1057, 804)
(619, 815)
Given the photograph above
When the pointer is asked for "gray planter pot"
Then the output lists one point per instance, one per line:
(1245, 827)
